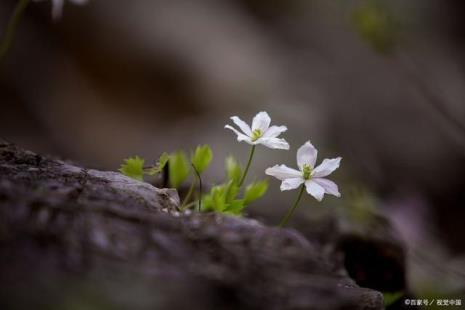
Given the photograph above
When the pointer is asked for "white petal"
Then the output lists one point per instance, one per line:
(57, 9)
(306, 155)
(261, 121)
(329, 186)
(282, 172)
(240, 136)
(289, 184)
(273, 143)
(326, 167)
(79, 2)
(274, 131)
(242, 125)
(315, 189)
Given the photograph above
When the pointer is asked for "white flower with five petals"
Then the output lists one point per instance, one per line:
(57, 6)
(261, 132)
(313, 177)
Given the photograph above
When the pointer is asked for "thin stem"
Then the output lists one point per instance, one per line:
(189, 205)
(200, 186)
(188, 195)
(11, 28)
(252, 151)
(291, 210)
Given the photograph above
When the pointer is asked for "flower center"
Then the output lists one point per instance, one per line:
(257, 133)
(307, 171)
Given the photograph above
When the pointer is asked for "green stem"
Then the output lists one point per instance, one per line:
(188, 195)
(252, 151)
(200, 187)
(189, 205)
(291, 210)
(11, 28)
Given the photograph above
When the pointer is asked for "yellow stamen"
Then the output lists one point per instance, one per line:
(256, 134)
(307, 170)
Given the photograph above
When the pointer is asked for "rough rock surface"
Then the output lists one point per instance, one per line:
(75, 238)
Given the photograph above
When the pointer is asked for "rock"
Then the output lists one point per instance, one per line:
(72, 237)
(362, 241)
(374, 255)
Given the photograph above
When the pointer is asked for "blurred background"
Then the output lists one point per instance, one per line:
(380, 83)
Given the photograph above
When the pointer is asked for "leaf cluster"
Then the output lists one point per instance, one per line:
(179, 166)
(133, 167)
(224, 198)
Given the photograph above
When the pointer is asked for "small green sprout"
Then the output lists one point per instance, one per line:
(202, 157)
(233, 169)
(178, 168)
(391, 297)
(158, 168)
(200, 160)
(255, 191)
(224, 198)
(133, 167)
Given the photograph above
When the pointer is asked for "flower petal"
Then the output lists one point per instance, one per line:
(273, 143)
(329, 186)
(240, 136)
(326, 167)
(274, 131)
(79, 2)
(242, 125)
(315, 189)
(289, 184)
(282, 172)
(261, 121)
(306, 155)
(57, 9)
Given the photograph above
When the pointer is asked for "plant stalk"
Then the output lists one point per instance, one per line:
(9, 35)
(200, 186)
(252, 151)
(291, 210)
(188, 196)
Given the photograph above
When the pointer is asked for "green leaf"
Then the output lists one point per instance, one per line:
(390, 298)
(133, 167)
(231, 192)
(162, 161)
(178, 169)
(235, 207)
(254, 191)
(202, 157)
(233, 169)
(222, 199)
(215, 200)
(219, 198)
(207, 203)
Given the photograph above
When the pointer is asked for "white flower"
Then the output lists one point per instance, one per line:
(261, 132)
(57, 6)
(314, 178)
